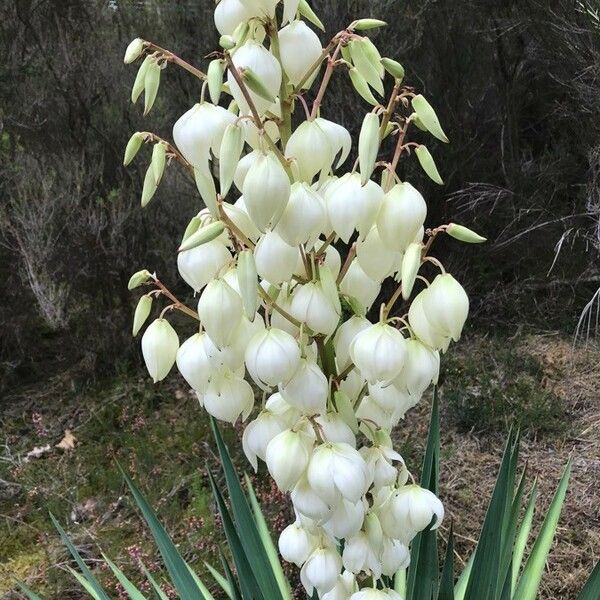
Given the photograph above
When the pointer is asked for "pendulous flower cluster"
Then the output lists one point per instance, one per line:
(288, 260)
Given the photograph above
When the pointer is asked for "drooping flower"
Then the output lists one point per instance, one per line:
(159, 348)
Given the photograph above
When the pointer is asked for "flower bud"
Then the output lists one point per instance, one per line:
(292, 38)
(229, 14)
(337, 471)
(259, 433)
(310, 147)
(142, 312)
(394, 68)
(138, 279)
(411, 262)
(311, 306)
(220, 311)
(375, 257)
(228, 396)
(133, 145)
(446, 306)
(357, 284)
(151, 85)
(214, 78)
(138, 84)
(464, 234)
(321, 570)
(248, 282)
(203, 263)
(149, 188)
(359, 83)
(159, 347)
(134, 50)
(287, 456)
(428, 164)
(360, 52)
(196, 361)
(364, 24)
(266, 190)
(159, 161)
(264, 67)
(428, 117)
(401, 215)
(379, 352)
(272, 357)
(296, 543)
(368, 146)
(304, 217)
(202, 235)
(275, 260)
(231, 148)
(207, 190)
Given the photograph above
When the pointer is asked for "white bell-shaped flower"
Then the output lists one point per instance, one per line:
(353, 384)
(379, 352)
(238, 214)
(375, 594)
(408, 510)
(446, 306)
(370, 412)
(422, 328)
(259, 433)
(220, 310)
(160, 344)
(421, 368)
(335, 429)
(233, 354)
(200, 265)
(311, 305)
(375, 257)
(321, 570)
(229, 14)
(275, 259)
(272, 357)
(345, 586)
(196, 361)
(401, 216)
(300, 48)
(308, 388)
(391, 397)
(304, 217)
(357, 284)
(337, 471)
(200, 130)
(359, 556)
(346, 332)
(339, 138)
(306, 502)
(243, 167)
(255, 137)
(352, 206)
(379, 461)
(346, 519)
(296, 543)
(394, 555)
(260, 8)
(228, 396)
(264, 65)
(266, 190)
(309, 146)
(287, 457)
(282, 410)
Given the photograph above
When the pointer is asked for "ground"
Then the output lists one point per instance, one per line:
(536, 382)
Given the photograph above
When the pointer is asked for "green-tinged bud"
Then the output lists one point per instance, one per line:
(387, 179)
(368, 146)
(160, 344)
(361, 86)
(345, 410)
(393, 67)
(372, 528)
(138, 84)
(206, 186)
(388, 129)
(309, 14)
(202, 236)
(411, 263)
(428, 164)
(248, 282)
(150, 186)
(151, 85)
(133, 146)
(134, 50)
(374, 56)
(415, 119)
(192, 227)
(355, 306)
(138, 279)
(361, 60)
(142, 312)
(231, 149)
(346, 54)
(240, 33)
(253, 82)
(464, 234)
(214, 78)
(330, 288)
(159, 160)
(226, 42)
(364, 24)
(428, 117)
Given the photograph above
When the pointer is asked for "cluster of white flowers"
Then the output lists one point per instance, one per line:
(280, 309)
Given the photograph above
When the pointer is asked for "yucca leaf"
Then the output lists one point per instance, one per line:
(235, 592)
(246, 525)
(85, 584)
(157, 589)
(221, 581)
(180, 576)
(446, 591)
(461, 585)
(523, 535)
(128, 586)
(200, 584)
(267, 540)
(249, 586)
(31, 595)
(87, 574)
(483, 580)
(423, 572)
(592, 585)
(534, 567)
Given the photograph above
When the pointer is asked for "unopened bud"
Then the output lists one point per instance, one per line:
(361, 86)
(248, 282)
(393, 67)
(138, 84)
(134, 50)
(428, 164)
(428, 117)
(362, 61)
(151, 85)
(464, 234)
(202, 236)
(138, 279)
(214, 78)
(133, 146)
(226, 42)
(410, 267)
(231, 148)
(150, 186)
(309, 14)
(159, 160)
(364, 24)
(206, 186)
(253, 82)
(142, 312)
(368, 146)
